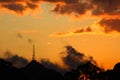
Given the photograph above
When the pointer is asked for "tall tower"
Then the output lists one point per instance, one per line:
(33, 55)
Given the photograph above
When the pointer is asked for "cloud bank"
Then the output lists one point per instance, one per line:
(107, 10)
(104, 26)
(76, 7)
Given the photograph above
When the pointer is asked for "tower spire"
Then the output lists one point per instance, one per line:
(33, 55)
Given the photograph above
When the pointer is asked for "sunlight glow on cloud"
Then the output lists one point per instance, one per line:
(104, 27)
(76, 31)
(107, 10)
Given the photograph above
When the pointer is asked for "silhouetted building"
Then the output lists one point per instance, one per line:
(33, 56)
(36, 71)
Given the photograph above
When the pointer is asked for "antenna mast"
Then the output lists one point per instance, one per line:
(33, 56)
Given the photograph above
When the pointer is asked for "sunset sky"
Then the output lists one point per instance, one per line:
(90, 26)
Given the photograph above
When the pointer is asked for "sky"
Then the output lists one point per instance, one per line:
(90, 26)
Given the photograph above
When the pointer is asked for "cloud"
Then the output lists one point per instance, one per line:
(51, 65)
(73, 7)
(16, 60)
(64, 1)
(19, 6)
(73, 58)
(103, 26)
(77, 31)
(80, 7)
(88, 29)
(110, 7)
(110, 25)
(107, 10)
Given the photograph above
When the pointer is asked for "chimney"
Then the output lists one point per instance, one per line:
(33, 55)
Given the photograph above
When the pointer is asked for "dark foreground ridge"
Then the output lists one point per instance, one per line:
(36, 71)
(33, 71)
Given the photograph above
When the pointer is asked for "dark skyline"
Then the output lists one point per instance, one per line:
(92, 27)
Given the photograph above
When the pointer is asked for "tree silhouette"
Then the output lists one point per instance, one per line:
(87, 71)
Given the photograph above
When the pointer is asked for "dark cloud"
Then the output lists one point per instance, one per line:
(64, 1)
(51, 65)
(73, 8)
(110, 7)
(11, 0)
(52, 1)
(32, 6)
(16, 60)
(36, 1)
(72, 58)
(110, 25)
(97, 7)
(15, 1)
(19, 6)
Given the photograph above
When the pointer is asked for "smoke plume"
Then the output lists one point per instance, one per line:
(19, 35)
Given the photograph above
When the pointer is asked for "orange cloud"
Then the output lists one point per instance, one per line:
(107, 10)
(104, 26)
(77, 31)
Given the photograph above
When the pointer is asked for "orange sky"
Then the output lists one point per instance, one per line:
(90, 26)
